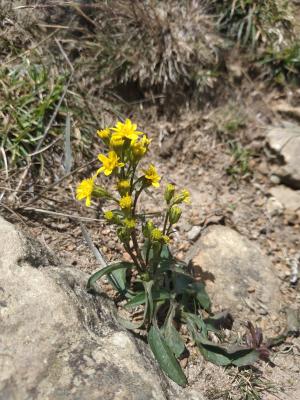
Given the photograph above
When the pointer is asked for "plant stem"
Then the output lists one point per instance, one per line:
(166, 221)
(134, 258)
(137, 249)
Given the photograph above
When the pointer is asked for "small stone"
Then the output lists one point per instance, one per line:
(126, 257)
(111, 244)
(262, 311)
(274, 207)
(251, 289)
(194, 233)
(275, 179)
(183, 362)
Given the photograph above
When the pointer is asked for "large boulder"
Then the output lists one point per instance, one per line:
(59, 342)
(235, 271)
(285, 141)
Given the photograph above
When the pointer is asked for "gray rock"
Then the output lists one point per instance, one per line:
(59, 342)
(289, 198)
(285, 140)
(194, 233)
(274, 207)
(235, 271)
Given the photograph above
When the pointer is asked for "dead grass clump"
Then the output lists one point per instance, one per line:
(153, 43)
(256, 22)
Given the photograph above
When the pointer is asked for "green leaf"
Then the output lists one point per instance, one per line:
(165, 357)
(118, 279)
(222, 355)
(172, 336)
(181, 282)
(195, 322)
(165, 253)
(245, 357)
(201, 295)
(148, 292)
(140, 298)
(221, 320)
(174, 340)
(108, 270)
(128, 324)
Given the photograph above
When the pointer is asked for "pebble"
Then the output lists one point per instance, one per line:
(111, 244)
(183, 362)
(275, 179)
(194, 233)
(126, 257)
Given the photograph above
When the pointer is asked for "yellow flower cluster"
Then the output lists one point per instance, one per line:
(126, 147)
(125, 202)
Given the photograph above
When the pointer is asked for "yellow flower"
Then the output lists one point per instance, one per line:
(109, 163)
(127, 130)
(129, 223)
(166, 239)
(123, 185)
(108, 215)
(116, 141)
(104, 133)
(141, 147)
(85, 189)
(125, 201)
(183, 196)
(186, 196)
(156, 234)
(152, 176)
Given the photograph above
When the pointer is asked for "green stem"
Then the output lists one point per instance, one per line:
(137, 249)
(166, 221)
(148, 252)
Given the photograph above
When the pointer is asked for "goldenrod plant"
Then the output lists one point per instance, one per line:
(154, 282)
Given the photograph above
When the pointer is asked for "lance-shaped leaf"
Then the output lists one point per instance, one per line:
(222, 320)
(140, 298)
(165, 356)
(170, 333)
(108, 270)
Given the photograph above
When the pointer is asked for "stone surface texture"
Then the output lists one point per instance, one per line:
(288, 198)
(235, 271)
(285, 141)
(58, 342)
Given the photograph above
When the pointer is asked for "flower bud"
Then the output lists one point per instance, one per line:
(148, 228)
(123, 235)
(100, 192)
(112, 217)
(169, 192)
(183, 196)
(174, 214)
